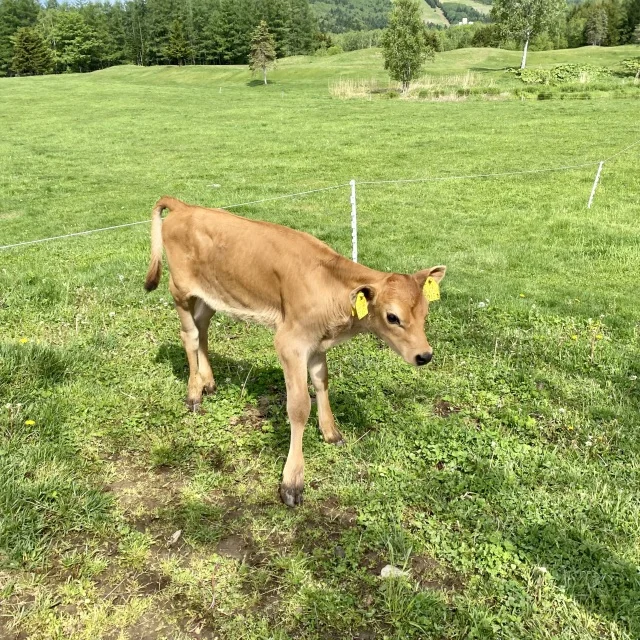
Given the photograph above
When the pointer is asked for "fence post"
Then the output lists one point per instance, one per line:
(595, 184)
(354, 223)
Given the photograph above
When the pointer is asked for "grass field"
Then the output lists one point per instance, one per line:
(504, 478)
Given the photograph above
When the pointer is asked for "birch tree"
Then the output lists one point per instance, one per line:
(404, 43)
(523, 19)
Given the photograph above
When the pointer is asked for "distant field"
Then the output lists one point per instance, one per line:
(433, 16)
(504, 478)
(478, 6)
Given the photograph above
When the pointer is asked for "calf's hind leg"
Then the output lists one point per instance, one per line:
(202, 317)
(185, 306)
(191, 342)
(320, 379)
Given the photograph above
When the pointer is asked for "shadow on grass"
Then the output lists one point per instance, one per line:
(35, 366)
(490, 68)
(267, 383)
(591, 573)
(259, 83)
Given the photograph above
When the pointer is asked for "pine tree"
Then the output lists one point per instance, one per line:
(136, 23)
(78, 47)
(13, 15)
(632, 22)
(404, 43)
(596, 26)
(615, 13)
(276, 14)
(301, 28)
(263, 50)
(31, 56)
(178, 48)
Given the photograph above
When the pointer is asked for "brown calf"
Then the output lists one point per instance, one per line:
(289, 280)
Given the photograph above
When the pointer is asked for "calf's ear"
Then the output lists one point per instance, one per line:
(368, 291)
(437, 273)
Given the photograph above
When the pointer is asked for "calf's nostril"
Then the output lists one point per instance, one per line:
(423, 358)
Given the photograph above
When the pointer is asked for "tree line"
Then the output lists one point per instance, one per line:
(62, 38)
(578, 24)
(58, 38)
(407, 44)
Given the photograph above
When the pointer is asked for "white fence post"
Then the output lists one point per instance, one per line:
(595, 184)
(354, 223)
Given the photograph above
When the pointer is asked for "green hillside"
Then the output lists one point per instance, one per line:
(433, 15)
(337, 16)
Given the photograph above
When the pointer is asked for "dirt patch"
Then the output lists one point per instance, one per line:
(12, 635)
(324, 528)
(365, 635)
(156, 625)
(180, 554)
(150, 626)
(11, 607)
(444, 409)
(333, 513)
(235, 547)
(143, 491)
(427, 572)
(198, 629)
(151, 582)
(430, 574)
(373, 561)
(254, 417)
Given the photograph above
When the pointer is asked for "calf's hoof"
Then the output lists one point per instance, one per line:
(291, 495)
(335, 438)
(209, 388)
(194, 406)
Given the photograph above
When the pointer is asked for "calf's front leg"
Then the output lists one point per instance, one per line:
(293, 357)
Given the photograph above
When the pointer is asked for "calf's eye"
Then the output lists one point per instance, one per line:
(392, 318)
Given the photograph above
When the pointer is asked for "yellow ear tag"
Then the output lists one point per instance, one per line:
(431, 290)
(362, 308)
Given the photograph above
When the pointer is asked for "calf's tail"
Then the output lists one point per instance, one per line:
(155, 265)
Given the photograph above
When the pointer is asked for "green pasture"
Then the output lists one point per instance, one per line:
(504, 478)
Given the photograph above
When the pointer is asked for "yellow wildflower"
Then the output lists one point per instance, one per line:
(24, 340)
(30, 423)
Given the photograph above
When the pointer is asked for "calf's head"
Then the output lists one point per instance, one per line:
(396, 309)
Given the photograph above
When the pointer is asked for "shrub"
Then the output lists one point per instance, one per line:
(632, 66)
(560, 73)
(355, 40)
(335, 50)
